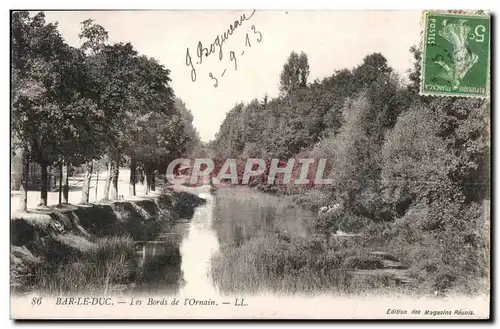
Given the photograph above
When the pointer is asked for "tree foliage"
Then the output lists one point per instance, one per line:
(411, 169)
(75, 105)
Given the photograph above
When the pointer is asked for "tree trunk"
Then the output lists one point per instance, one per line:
(23, 188)
(96, 183)
(86, 182)
(44, 185)
(107, 182)
(53, 182)
(90, 177)
(116, 172)
(66, 184)
(60, 182)
(132, 176)
(148, 179)
(153, 182)
(142, 175)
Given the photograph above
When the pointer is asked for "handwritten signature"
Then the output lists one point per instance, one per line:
(218, 46)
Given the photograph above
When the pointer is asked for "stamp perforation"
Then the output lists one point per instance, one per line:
(474, 14)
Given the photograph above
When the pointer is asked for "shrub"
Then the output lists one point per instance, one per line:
(340, 220)
(293, 264)
(362, 263)
(313, 199)
(108, 262)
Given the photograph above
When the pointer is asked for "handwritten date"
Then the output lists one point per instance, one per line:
(233, 57)
(217, 46)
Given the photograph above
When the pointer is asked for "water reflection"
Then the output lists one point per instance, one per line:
(179, 261)
(243, 213)
(160, 261)
(258, 235)
(197, 249)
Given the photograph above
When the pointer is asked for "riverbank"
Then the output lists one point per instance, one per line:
(89, 247)
(400, 256)
(277, 248)
(75, 186)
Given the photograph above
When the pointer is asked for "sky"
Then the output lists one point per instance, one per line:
(254, 53)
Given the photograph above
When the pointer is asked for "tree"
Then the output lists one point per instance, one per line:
(24, 92)
(135, 95)
(159, 138)
(374, 67)
(415, 73)
(94, 37)
(29, 92)
(229, 140)
(414, 160)
(295, 73)
(113, 74)
(414, 168)
(435, 165)
(149, 118)
(330, 96)
(49, 86)
(189, 129)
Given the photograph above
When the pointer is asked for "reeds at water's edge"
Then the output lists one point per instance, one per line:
(98, 267)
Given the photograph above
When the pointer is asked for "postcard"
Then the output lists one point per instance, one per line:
(250, 164)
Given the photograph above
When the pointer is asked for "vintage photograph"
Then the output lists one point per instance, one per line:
(250, 164)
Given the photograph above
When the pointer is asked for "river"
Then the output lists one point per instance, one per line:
(179, 261)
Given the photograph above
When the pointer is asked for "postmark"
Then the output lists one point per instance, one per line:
(455, 54)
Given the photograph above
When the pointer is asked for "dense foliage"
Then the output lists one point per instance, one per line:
(411, 172)
(71, 106)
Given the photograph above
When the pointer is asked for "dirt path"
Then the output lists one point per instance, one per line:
(75, 191)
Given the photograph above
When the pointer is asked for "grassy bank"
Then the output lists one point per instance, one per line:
(411, 254)
(93, 267)
(286, 265)
(89, 248)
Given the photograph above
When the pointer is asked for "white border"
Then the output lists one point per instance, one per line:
(183, 4)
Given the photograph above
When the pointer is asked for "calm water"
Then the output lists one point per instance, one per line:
(179, 260)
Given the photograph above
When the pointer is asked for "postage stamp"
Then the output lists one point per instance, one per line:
(456, 55)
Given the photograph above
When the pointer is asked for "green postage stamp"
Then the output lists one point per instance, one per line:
(456, 54)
